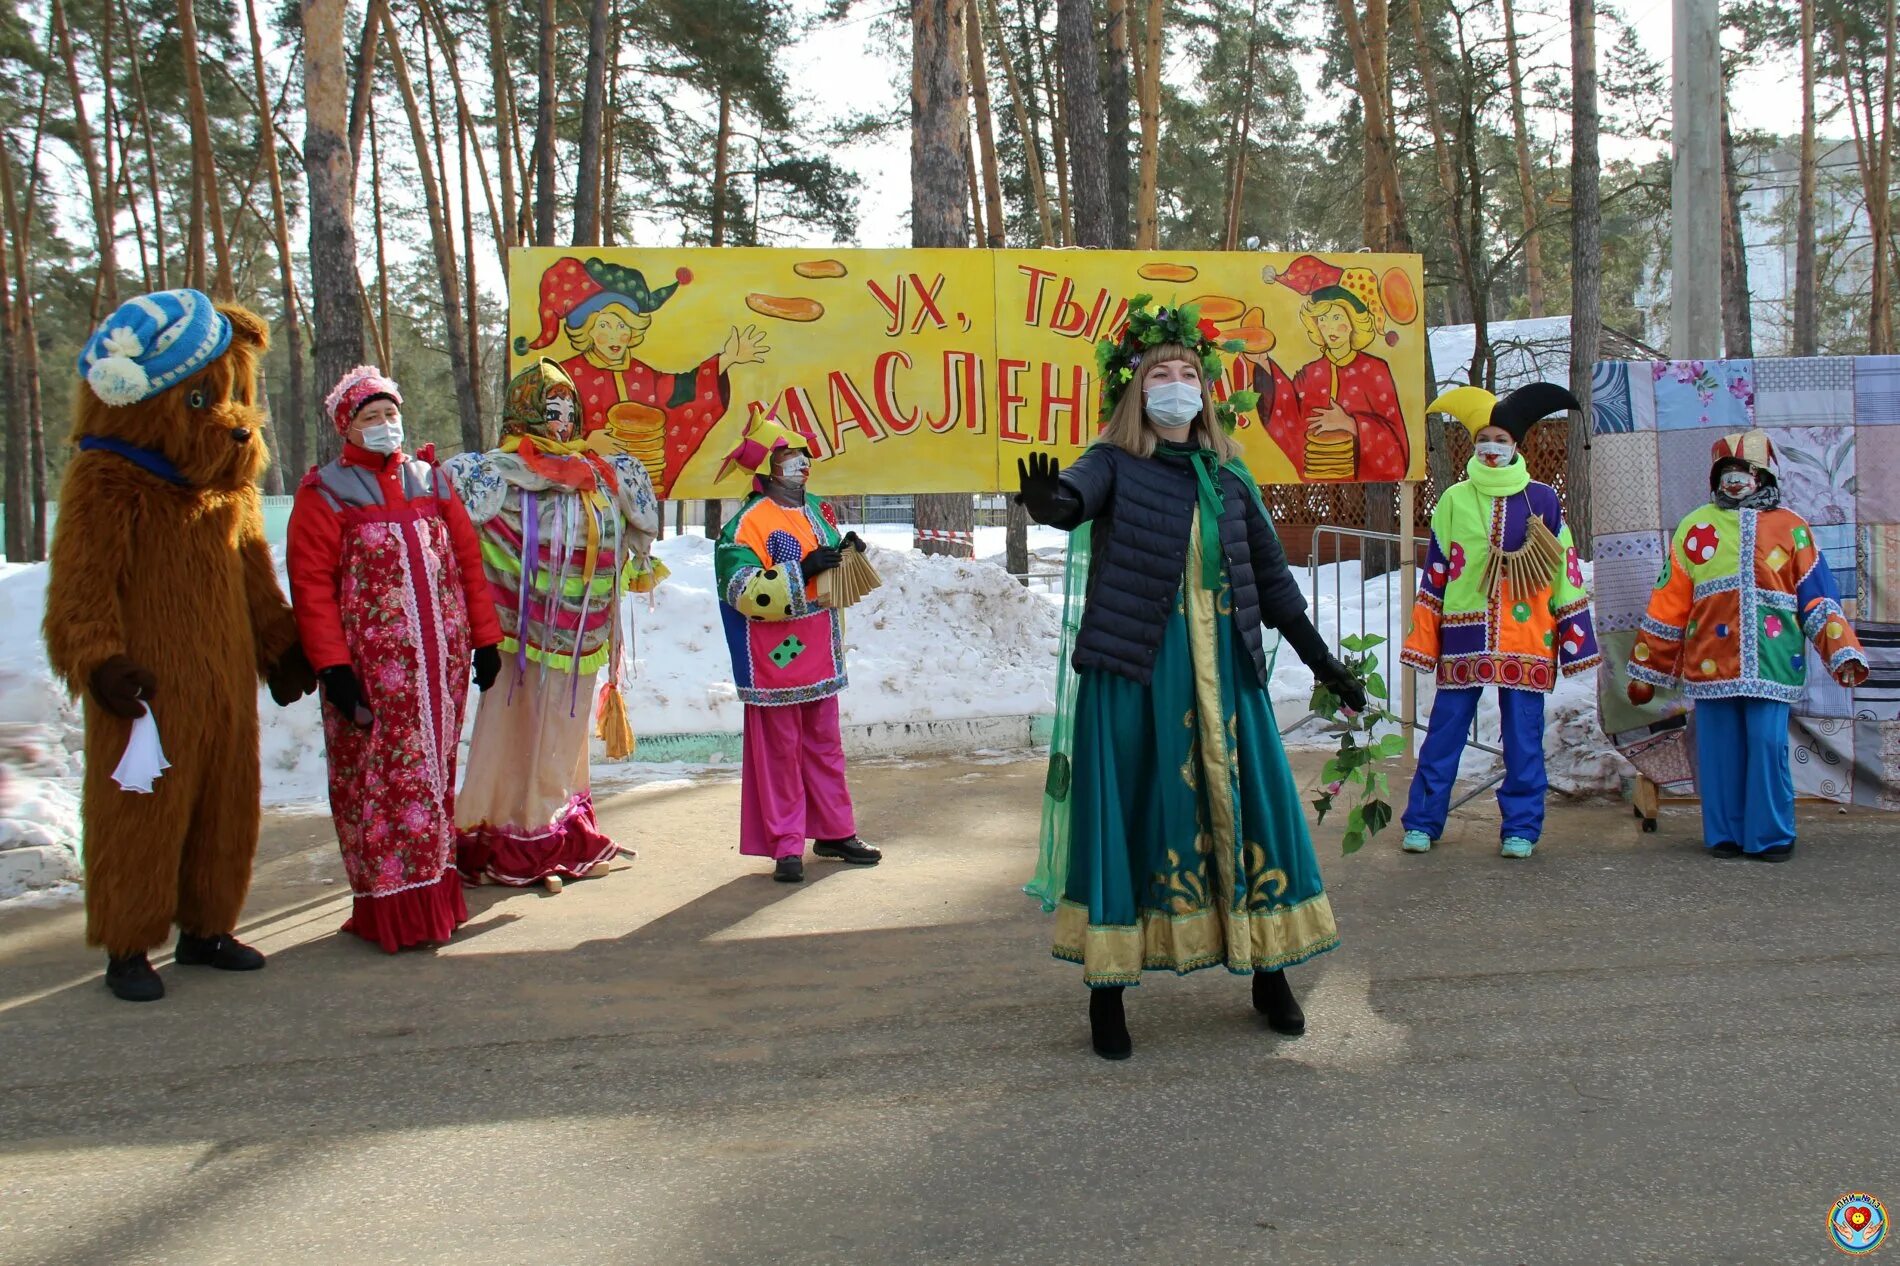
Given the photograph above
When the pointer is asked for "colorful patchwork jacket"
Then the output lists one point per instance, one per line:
(1739, 593)
(1520, 640)
(785, 648)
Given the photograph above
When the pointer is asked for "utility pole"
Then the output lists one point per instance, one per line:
(1695, 303)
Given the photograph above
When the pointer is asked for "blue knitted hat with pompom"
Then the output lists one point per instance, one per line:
(151, 344)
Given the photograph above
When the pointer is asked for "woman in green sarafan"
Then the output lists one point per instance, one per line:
(1173, 832)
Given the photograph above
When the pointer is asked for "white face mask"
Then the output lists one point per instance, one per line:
(560, 417)
(383, 437)
(1173, 404)
(1736, 484)
(1496, 452)
(795, 471)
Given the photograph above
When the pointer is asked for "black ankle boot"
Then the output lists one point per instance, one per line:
(1108, 1026)
(224, 952)
(132, 979)
(1273, 998)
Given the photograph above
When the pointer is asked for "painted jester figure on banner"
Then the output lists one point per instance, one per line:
(1502, 603)
(1174, 835)
(787, 657)
(565, 533)
(1743, 591)
(628, 406)
(393, 610)
(1338, 418)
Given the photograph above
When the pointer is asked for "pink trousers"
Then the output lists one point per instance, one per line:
(793, 786)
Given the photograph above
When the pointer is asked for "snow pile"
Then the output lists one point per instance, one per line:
(39, 747)
(942, 639)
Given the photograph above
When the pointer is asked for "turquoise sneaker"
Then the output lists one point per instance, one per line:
(1416, 842)
(1516, 846)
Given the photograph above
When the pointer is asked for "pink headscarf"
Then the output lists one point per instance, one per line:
(355, 390)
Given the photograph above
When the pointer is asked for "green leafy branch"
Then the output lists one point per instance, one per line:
(1353, 774)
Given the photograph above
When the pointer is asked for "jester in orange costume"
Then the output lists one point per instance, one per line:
(628, 406)
(1338, 418)
(1742, 594)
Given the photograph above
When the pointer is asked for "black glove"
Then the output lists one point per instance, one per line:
(1318, 658)
(342, 691)
(487, 666)
(1042, 492)
(853, 541)
(1343, 682)
(291, 677)
(821, 560)
(121, 686)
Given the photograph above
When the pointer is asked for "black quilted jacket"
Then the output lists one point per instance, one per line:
(1143, 510)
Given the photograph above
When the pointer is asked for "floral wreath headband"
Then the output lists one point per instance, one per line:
(1117, 358)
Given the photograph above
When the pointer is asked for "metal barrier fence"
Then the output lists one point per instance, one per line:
(1391, 594)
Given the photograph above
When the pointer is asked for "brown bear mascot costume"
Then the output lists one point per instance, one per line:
(162, 596)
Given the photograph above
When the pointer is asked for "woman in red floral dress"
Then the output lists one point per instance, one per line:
(386, 580)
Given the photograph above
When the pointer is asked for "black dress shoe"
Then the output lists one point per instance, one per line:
(790, 870)
(853, 851)
(132, 979)
(1108, 1025)
(1779, 853)
(1273, 998)
(224, 952)
(1726, 851)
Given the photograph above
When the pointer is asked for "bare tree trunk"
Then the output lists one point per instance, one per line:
(466, 400)
(1058, 141)
(365, 86)
(1088, 130)
(1243, 125)
(1586, 263)
(1804, 296)
(996, 235)
(979, 230)
(940, 133)
(1147, 215)
(446, 42)
(151, 152)
(1385, 222)
(610, 158)
(203, 162)
(296, 428)
(1738, 334)
(1526, 186)
(1032, 143)
(336, 306)
(17, 487)
(587, 181)
(1115, 103)
(505, 128)
(1441, 148)
(379, 315)
(106, 293)
(471, 296)
(1880, 206)
(544, 106)
(722, 166)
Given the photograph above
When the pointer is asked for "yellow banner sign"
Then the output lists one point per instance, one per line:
(933, 370)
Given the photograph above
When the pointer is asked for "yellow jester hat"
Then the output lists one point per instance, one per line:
(762, 437)
(1515, 414)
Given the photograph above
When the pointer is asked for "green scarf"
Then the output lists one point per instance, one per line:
(1498, 481)
(1206, 464)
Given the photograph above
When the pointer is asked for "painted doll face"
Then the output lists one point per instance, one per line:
(561, 410)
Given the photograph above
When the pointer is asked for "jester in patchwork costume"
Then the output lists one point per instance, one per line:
(1502, 604)
(1742, 593)
(565, 533)
(787, 657)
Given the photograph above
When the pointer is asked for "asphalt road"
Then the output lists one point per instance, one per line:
(1619, 1051)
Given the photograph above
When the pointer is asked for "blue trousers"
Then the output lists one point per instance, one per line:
(1742, 775)
(1520, 798)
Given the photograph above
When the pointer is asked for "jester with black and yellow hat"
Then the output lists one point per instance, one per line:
(787, 656)
(1501, 603)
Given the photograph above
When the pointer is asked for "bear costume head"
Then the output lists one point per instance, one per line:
(171, 382)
